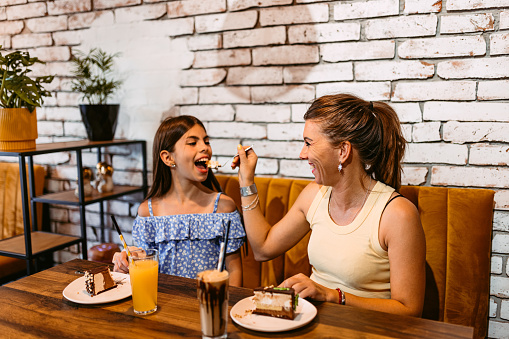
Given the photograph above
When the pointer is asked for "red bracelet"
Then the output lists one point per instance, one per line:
(341, 296)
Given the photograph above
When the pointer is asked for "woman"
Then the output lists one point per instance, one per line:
(360, 227)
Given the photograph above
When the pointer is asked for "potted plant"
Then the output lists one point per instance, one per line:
(19, 96)
(93, 72)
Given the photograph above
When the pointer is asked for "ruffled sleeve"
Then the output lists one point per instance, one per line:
(142, 228)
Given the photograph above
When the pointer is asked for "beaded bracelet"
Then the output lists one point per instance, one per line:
(341, 296)
(251, 205)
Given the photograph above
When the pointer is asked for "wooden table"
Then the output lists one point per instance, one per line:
(34, 307)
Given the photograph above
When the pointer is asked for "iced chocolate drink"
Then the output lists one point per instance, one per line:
(213, 298)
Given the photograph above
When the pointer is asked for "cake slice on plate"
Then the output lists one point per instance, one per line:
(98, 280)
(279, 302)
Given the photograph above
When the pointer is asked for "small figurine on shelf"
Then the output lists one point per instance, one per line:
(104, 180)
(87, 185)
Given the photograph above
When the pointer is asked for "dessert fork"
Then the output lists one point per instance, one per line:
(236, 155)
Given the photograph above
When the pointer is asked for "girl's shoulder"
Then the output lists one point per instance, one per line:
(143, 209)
(226, 204)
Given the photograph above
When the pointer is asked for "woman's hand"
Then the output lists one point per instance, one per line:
(247, 165)
(120, 260)
(306, 287)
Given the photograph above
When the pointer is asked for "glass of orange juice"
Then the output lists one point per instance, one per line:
(143, 269)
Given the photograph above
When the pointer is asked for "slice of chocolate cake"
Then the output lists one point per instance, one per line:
(99, 280)
(276, 302)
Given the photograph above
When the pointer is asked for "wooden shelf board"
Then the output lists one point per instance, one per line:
(69, 198)
(41, 241)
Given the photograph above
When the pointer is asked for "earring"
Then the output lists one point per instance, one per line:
(340, 167)
(173, 165)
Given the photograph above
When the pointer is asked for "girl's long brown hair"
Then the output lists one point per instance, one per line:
(373, 129)
(167, 135)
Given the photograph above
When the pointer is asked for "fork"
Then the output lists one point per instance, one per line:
(236, 155)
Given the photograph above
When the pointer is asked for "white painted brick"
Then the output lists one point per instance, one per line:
(501, 218)
(236, 57)
(5, 41)
(68, 98)
(102, 4)
(442, 47)
(393, 70)
(474, 68)
(67, 38)
(299, 14)
(283, 55)
(466, 23)
(402, 26)
(364, 90)
(31, 40)
(499, 44)
(50, 128)
(263, 167)
(255, 37)
(202, 77)
(493, 309)
(504, 19)
(187, 96)
(195, 7)
(469, 176)
(278, 149)
(91, 19)
(75, 129)
(225, 22)
(407, 112)
(26, 11)
(237, 130)
(345, 31)
(422, 6)
(358, 51)
(426, 131)
(502, 200)
(295, 169)
(454, 5)
(55, 68)
(225, 147)
(365, 9)
(493, 90)
(263, 113)
(496, 265)
(466, 111)
(13, 2)
(500, 244)
(283, 94)
(127, 163)
(298, 111)
(461, 132)
(11, 27)
(204, 41)
(236, 5)
(406, 130)
(285, 131)
(483, 154)
(436, 153)
(224, 95)
(504, 309)
(434, 90)
(254, 75)
(210, 112)
(319, 73)
(59, 214)
(499, 286)
(52, 54)
(68, 6)
(47, 24)
(414, 175)
(60, 113)
(140, 13)
(3, 14)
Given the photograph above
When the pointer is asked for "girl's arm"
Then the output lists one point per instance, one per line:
(233, 264)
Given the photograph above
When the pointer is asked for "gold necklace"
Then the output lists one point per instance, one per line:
(363, 202)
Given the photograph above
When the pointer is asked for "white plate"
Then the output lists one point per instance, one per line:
(241, 313)
(77, 293)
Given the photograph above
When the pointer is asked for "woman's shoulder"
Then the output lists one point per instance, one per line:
(226, 204)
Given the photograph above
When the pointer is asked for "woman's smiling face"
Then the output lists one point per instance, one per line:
(191, 152)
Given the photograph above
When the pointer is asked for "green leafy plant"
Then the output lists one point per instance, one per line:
(93, 75)
(17, 89)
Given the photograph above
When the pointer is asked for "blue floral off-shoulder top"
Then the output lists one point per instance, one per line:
(188, 243)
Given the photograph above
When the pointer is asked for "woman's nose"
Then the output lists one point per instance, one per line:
(303, 153)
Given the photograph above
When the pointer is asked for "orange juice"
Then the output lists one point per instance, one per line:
(144, 274)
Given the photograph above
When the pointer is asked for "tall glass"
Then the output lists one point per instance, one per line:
(143, 269)
(213, 298)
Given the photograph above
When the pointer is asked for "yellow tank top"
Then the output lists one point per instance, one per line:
(350, 257)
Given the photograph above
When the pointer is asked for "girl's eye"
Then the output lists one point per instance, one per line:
(192, 143)
(207, 142)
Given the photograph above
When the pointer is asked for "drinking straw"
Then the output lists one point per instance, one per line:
(222, 249)
(120, 235)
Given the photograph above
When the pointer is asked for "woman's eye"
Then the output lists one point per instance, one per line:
(307, 143)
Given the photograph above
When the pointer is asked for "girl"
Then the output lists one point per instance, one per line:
(184, 216)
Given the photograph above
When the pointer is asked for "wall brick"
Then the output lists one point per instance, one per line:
(357, 51)
(11, 27)
(504, 309)
(496, 265)
(60, 114)
(90, 19)
(504, 19)
(324, 32)
(436, 153)
(255, 37)
(237, 130)
(226, 22)
(202, 77)
(282, 94)
(68, 6)
(272, 149)
(414, 175)
(499, 286)
(406, 130)
(67, 38)
(3, 13)
(436, 90)
(460, 132)
(407, 112)
(254, 75)
(393, 70)
(47, 24)
(482, 154)
(187, 96)
(102, 4)
(50, 128)
(365, 9)
(466, 111)
(26, 11)
(52, 53)
(319, 73)
(426, 131)
(220, 58)
(295, 169)
(285, 131)
(442, 47)
(405, 26)
(455, 5)
(365, 90)
(466, 23)
(139, 13)
(195, 7)
(31, 40)
(499, 44)
(422, 6)
(500, 243)
(236, 5)
(294, 15)
(493, 90)
(469, 176)
(284, 55)
(13, 2)
(298, 111)
(210, 112)
(474, 68)
(68, 98)
(224, 95)
(204, 41)
(501, 220)
(263, 113)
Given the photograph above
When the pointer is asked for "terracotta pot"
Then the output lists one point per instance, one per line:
(18, 129)
(100, 121)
